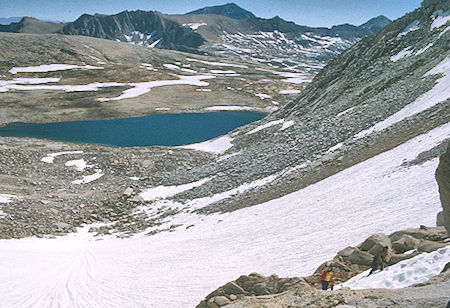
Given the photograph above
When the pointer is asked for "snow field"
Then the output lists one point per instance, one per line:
(177, 269)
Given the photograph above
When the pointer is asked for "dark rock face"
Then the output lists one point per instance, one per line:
(443, 179)
(137, 27)
(230, 10)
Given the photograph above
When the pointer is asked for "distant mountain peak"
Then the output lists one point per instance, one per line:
(230, 10)
(376, 23)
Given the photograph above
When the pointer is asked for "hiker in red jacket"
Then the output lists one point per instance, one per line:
(326, 278)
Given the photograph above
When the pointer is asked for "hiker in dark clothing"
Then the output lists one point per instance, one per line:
(379, 259)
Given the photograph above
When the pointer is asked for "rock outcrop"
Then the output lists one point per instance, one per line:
(256, 290)
(443, 179)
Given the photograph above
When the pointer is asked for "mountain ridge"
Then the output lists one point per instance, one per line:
(230, 10)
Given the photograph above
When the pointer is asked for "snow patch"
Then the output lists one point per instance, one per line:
(145, 87)
(439, 19)
(79, 164)
(406, 52)
(89, 178)
(50, 157)
(422, 50)
(51, 68)
(222, 72)
(340, 114)
(229, 108)
(289, 91)
(334, 148)
(216, 146)
(287, 124)
(264, 126)
(216, 63)
(194, 26)
(6, 198)
(161, 192)
(414, 26)
(263, 96)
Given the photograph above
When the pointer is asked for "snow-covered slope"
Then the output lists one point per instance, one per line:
(283, 236)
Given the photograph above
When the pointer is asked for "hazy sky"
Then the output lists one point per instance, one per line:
(302, 12)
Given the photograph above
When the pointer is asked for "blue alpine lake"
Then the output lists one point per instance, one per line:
(153, 129)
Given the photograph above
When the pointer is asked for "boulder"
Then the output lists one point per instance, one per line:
(222, 301)
(405, 243)
(346, 252)
(375, 242)
(233, 288)
(361, 257)
(260, 289)
(128, 192)
(429, 246)
(420, 233)
(212, 304)
(395, 258)
(443, 179)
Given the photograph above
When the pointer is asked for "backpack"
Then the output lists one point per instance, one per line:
(323, 275)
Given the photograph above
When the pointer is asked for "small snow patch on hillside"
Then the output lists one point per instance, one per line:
(264, 126)
(406, 52)
(439, 19)
(90, 178)
(50, 157)
(229, 108)
(216, 146)
(161, 192)
(51, 68)
(287, 124)
(289, 91)
(422, 50)
(410, 28)
(194, 26)
(216, 63)
(79, 164)
(142, 88)
(263, 96)
(6, 198)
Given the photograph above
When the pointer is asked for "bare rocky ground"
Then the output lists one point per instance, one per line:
(50, 204)
(235, 85)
